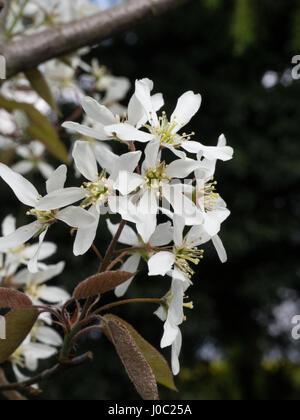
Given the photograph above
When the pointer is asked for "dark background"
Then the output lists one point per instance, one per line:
(237, 343)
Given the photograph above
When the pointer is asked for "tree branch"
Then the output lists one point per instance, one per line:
(33, 50)
(4, 8)
(47, 374)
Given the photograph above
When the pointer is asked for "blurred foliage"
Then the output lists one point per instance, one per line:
(193, 49)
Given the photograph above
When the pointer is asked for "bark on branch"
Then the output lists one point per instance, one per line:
(63, 39)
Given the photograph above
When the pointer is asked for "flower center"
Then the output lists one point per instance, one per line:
(97, 193)
(156, 178)
(18, 358)
(46, 218)
(185, 256)
(33, 290)
(165, 132)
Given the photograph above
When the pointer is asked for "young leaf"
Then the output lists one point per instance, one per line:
(100, 283)
(40, 85)
(137, 368)
(157, 362)
(19, 323)
(39, 128)
(13, 299)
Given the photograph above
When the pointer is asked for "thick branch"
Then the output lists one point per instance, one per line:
(35, 49)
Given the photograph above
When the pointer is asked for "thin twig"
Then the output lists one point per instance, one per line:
(47, 374)
(126, 302)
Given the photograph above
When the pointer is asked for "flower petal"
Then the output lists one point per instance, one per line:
(130, 266)
(8, 225)
(161, 263)
(20, 236)
(60, 198)
(188, 105)
(127, 132)
(218, 244)
(33, 263)
(76, 217)
(182, 168)
(85, 160)
(54, 295)
(98, 112)
(98, 134)
(163, 235)
(128, 235)
(22, 188)
(57, 179)
(86, 236)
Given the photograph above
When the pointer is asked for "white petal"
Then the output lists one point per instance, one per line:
(98, 112)
(8, 225)
(127, 182)
(182, 168)
(48, 336)
(128, 161)
(60, 198)
(151, 155)
(209, 152)
(106, 158)
(188, 105)
(176, 349)
(54, 295)
(76, 217)
(157, 101)
(127, 132)
(179, 225)
(161, 263)
(146, 229)
(148, 204)
(22, 188)
(220, 248)
(33, 263)
(23, 167)
(161, 313)
(45, 169)
(163, 235)
(128, 235)
(130, 266)
(98, 134)
(86, 236)
(85, 160)
(46, 251)
(170, 334)
(136, 113)
(143, 94)
(20, 236)
(49, 273)
(57, 179)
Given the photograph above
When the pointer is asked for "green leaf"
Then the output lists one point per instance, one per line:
(101, 283)
(19, 323)
(157, 362)
(39, 128)
(40, 85)
(137, 368)
(13, 299)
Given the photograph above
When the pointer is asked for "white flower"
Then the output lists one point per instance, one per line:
(50, 211)
(154, 185)
(184, 253)
(143, 107)
(99, 192)
(34, 286)
(39, 345)
(162, 236)
(32, 155)
(108, 125)
(23, 255)
(171, 312)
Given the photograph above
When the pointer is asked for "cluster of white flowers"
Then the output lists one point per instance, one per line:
(15, 272)
(172, 176)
